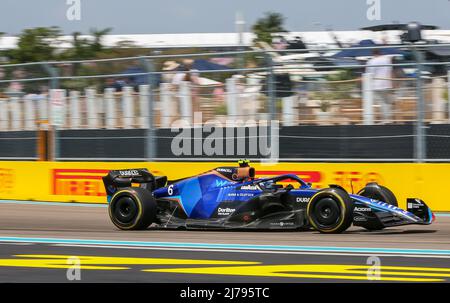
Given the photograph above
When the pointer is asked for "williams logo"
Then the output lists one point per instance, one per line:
(220, 183)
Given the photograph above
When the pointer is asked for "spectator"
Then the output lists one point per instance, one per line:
(116, 83)
(180, 75)
(170, 67)
(279, 43)
(297, 43)
(193, 77)
(382, 82)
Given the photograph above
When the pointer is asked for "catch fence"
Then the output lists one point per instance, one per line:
(144, 102)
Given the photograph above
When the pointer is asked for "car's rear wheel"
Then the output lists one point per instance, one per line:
(132, 209)
(330, 211)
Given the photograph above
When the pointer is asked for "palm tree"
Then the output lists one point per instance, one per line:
(264, 27)
(98, 36)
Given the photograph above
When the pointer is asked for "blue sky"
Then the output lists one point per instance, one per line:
(183, 16)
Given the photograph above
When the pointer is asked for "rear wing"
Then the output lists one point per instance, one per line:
(116, 179)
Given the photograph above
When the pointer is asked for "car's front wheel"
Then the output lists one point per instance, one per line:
(379, 192)
(330, 211)
(132, 208)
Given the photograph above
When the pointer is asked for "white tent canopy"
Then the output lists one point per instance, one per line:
(320, 38)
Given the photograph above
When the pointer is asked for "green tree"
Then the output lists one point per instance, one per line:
(81, 47)
(266, 26)
(2, 52)
(36, 44)
(96, 45)
(84, 48)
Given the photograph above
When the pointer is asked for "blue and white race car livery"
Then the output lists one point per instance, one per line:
(232, 198)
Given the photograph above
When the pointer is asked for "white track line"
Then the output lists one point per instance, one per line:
(254, 251)
(18, 243)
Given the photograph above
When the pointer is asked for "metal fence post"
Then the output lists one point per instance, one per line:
(15, 111)
(448, 94)
(91, 106)
(110, 108)
(271, 93)
(166, 104)
(74, 99)
(185, 99)
(368, 114)
(231, 96)
(29, 112)
(151, 142)
(4, 117)
(420, 152)
(144, 90)
(128, 110)
(54, 84)
(288, 111)
(271, 86)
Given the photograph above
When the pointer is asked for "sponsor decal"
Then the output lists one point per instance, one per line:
(359, 219)
(390, 206)
(244, 194)
(363, 209)
(302, 199)
(250, 187)
(220, 183)
(414, 205)
(395, 210)
(225, 170)
(418, 201)
(225, 211)
(131, 172)
(6, 181)
(281, 224)
(78, 182)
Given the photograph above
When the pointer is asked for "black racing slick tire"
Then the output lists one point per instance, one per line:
(330, 211)
(132, 208)
(379, 192)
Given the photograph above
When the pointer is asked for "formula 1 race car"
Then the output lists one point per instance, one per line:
(232, 198)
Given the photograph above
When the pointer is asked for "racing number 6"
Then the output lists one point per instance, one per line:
(170, 190)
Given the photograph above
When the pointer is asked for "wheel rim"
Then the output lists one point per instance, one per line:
(125, 210)
(327, 212)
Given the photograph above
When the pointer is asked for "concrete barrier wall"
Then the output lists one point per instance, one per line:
(81, 181)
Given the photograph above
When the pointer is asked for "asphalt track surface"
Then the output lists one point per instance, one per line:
(38, 243)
